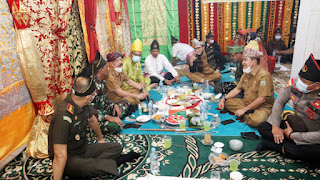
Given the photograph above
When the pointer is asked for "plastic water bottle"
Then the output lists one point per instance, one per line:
(150, 106)
(274, 53)
(278, 61)
(140, 109)
(206, 105)
(161, 87)
(202, 112)
(154, 167)
(206, 87)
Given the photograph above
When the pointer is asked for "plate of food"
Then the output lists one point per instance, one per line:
(174, 120)
(186, 104)
(158, 118)
(143, 118)
(219, 158)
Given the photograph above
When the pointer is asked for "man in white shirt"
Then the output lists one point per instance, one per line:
(180, 51)
(154, 65)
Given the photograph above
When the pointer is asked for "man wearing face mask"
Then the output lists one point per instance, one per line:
(205, 64)
(108, 113)
(68, 144)
(259, 32)
(211, 43)
(277, 43)
(287, 55)
(296, 134)
(257, 85)
(132, 67)
(154, 65)
(116, 79)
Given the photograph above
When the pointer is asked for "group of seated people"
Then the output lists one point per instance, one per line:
(108, 90)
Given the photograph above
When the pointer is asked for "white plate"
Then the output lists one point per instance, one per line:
(143, 118)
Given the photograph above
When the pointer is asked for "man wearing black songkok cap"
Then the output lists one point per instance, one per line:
(296, 134)
(68, 145)
(211, 43)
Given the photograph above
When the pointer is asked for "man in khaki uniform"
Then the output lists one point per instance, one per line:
(296, 134)
(257, 85)
(204, 64)
(116, 79)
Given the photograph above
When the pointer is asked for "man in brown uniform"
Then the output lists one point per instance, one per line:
(257, 85)
(115, 83)
(204, 65)
(296, 134)
(68, 145)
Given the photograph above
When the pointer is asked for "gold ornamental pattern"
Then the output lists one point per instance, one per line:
(153, 19)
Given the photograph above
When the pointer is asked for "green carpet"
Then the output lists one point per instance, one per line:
(191, 160)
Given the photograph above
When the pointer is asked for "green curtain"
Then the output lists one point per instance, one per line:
(154, 19)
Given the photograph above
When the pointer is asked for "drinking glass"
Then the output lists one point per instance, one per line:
(215, 175)
(206, 125)
(167, 141)
(234, 165)
(182, 124)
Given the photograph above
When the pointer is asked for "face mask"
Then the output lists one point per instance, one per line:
(211, 41)
(257, 38)
(119, 69)
(248, 69)
(302, 87)
(136, 58)
(277, 37)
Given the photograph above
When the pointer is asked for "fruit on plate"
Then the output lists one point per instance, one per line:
(175, 119)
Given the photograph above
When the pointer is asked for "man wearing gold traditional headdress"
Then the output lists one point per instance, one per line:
(132, 67)
(257, 85)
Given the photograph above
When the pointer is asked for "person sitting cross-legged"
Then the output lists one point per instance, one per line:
(154, 65)
(67, 142)
(257, 85)
(296, 134)
(132, 67)
(204, 64)
(115, 83)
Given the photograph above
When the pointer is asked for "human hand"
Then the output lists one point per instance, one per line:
(141, 96)
(278, 52)
(116, 109)
(288, 130)
(116, 120)
(146, 93)
(240, 112)
(217, 71)
(221, 103)
(168, 82)
(177, 79)
(277, 133)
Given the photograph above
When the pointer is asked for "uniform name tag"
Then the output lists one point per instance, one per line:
(296, 92)
(311, 107)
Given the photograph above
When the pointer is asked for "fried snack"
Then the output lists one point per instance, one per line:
(222, 156)
(182, 97)
(157, 117)
(195, 110)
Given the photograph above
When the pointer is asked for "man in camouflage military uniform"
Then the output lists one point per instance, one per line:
(67, 141)
(257, 85)
(296, 134)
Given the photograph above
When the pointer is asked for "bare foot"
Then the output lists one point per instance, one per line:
(202, 81)
(154, 85)
(211, 83)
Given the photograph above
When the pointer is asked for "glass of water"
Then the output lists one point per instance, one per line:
(215, 175)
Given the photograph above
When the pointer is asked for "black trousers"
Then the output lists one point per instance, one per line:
(98, 160)
(291, 149)
(154, 79)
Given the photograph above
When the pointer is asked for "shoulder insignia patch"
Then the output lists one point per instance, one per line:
(67, 118)
(290, 82)
(70, 108)
(263, 82)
